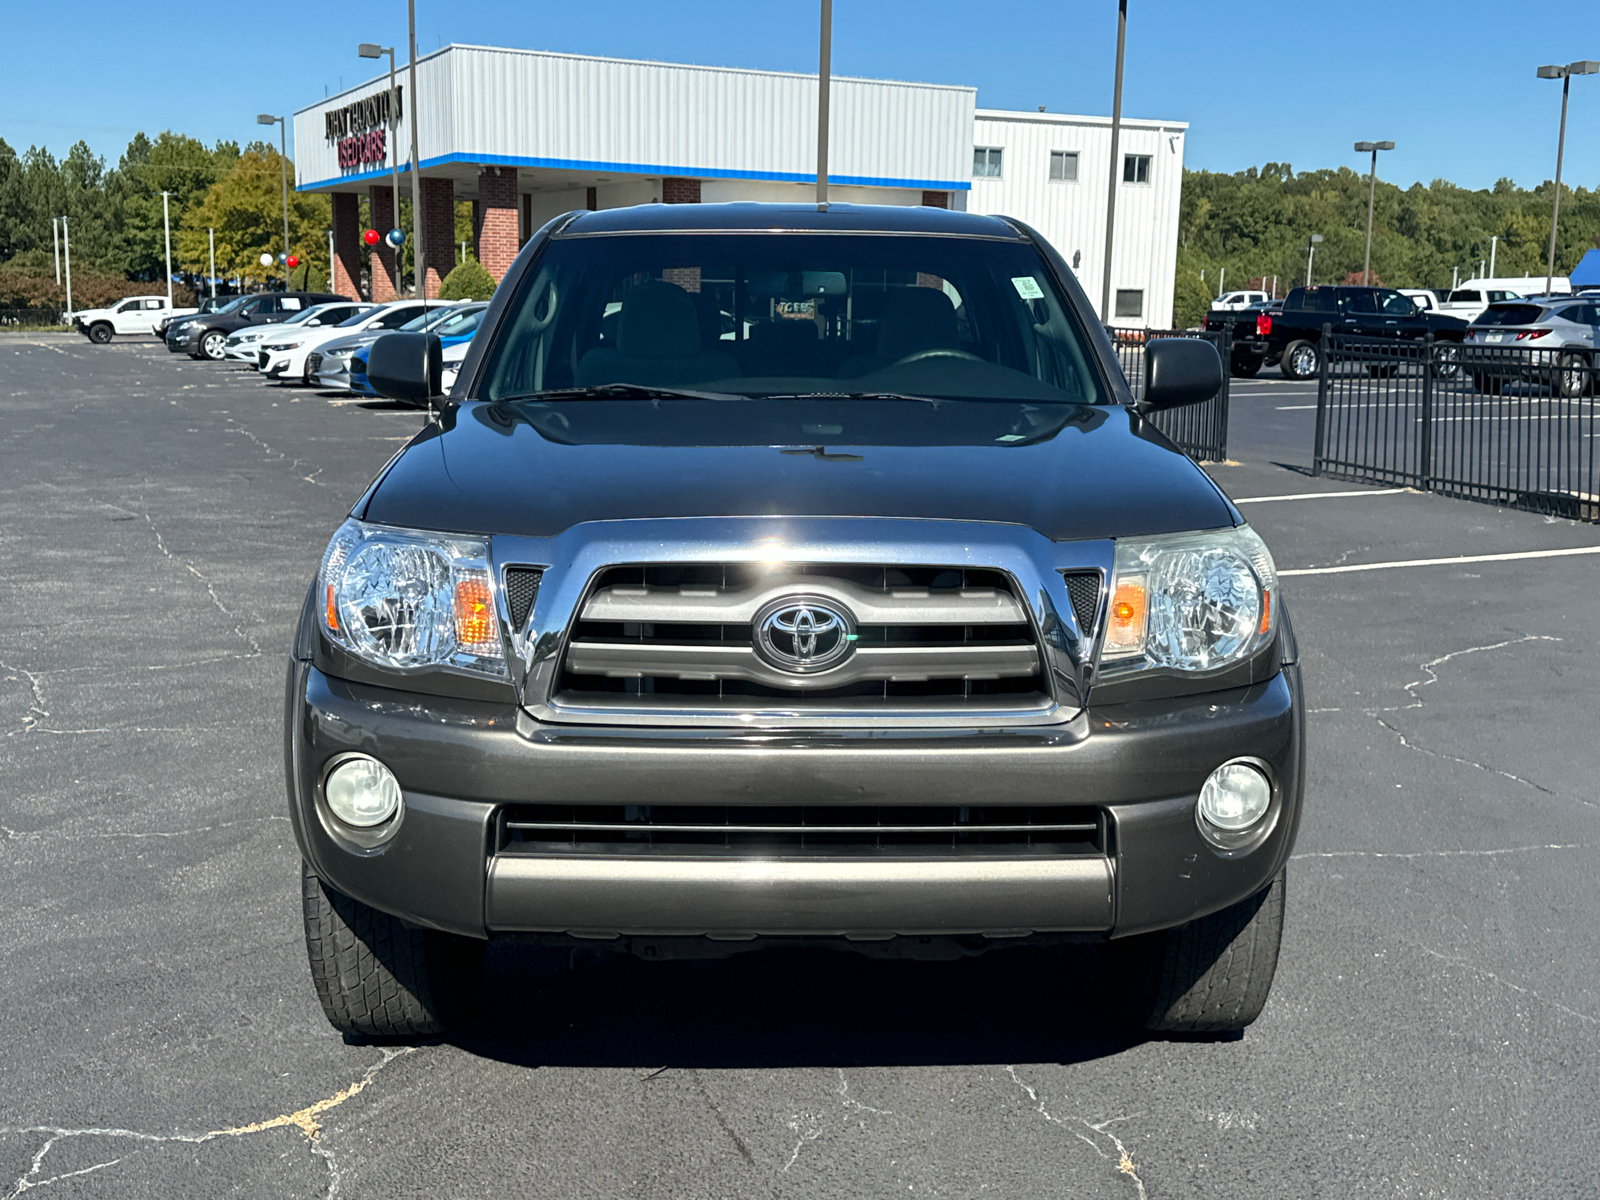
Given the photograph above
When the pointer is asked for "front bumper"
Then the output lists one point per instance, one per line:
(459, 761)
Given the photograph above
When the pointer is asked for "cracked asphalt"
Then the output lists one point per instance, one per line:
(1432, 1033)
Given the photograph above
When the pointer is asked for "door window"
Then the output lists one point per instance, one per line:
(1393, 304)
(128, 306)
(1360, 304)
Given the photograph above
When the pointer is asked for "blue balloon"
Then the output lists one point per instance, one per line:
(394, 237)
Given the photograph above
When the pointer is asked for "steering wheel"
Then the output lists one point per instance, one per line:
(937, 352)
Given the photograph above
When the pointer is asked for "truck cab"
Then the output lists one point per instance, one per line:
(135, 314)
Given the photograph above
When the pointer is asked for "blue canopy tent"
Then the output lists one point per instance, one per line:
(1587, 272)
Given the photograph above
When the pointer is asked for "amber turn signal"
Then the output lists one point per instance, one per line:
(330, 609)
(474, 612)
(1125, 625)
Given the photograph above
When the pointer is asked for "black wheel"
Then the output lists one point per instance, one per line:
(378, 976)
(1244, 366)
(306, 377)
(212, 344)
(1300, 360)
(1571, 376)
(100, 333)
(1209, 976)
(1489, 385)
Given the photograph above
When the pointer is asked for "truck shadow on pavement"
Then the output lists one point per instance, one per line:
(799, 1007)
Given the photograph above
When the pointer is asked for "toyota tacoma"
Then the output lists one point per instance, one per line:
(782, 575)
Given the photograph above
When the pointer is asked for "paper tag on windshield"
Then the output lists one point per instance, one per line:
(1027, 287)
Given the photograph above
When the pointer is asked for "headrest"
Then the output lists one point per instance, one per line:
(658, 321)
(916, 318)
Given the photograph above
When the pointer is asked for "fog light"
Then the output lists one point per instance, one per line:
(362, 792)
(1235, 797)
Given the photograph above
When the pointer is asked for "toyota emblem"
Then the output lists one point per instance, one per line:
(803, 634)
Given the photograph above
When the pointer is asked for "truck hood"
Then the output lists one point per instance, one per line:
(536, 469)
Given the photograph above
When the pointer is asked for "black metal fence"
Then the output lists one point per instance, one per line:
(1501, 424)
(1199, 430)
(41, 315)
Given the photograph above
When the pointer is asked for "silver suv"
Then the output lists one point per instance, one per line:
(1560, 330)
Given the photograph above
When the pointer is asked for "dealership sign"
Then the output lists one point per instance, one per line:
(360, 129)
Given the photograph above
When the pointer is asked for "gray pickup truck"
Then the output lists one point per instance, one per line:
(784, 576)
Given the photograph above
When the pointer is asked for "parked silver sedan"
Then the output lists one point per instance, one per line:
(1543, 339)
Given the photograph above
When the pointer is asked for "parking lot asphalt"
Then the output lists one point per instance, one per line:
(1432, 1033)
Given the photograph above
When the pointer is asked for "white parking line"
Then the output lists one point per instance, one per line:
(1293, 407)
(1321, 495)
(1442, 562)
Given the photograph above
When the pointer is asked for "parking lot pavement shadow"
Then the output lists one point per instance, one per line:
(798, 1007)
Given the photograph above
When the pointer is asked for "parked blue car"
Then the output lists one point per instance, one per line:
(453, 330)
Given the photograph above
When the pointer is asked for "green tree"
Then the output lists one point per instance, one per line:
(178, 165)
(469, 281)
(245, 209)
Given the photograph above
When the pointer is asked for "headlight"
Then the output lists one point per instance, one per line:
(284, 346)
(1190, 602)
(404, 599)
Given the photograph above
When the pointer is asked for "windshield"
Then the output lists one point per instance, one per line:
(793, 314)
(461, 322)
(235, 304)
(429, 319)
(1510, 314)
(305, 314)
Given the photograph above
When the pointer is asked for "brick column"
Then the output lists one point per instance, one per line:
(680, 191)
(346, 277)
(438, 230)
(381, 259)
(496, 213)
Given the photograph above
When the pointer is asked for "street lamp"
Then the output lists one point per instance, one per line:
(283, 175)
(1116, 167)
(1311, 253)
(373, 50)
(418, 240)
(1372, 191)
(1585, 67)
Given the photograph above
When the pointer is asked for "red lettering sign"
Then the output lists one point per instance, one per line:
(369, 147)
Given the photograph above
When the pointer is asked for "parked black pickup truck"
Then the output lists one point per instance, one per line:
(1289, 338)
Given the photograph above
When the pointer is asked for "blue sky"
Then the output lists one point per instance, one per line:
(1452, 83)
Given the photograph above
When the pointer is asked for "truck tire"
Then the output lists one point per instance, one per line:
(1209, 976)
(1300, 360)
(1244, 366)
(101, 332)
(1571, 376)
(212, 343)
(377, 976)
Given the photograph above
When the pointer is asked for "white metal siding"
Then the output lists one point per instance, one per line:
(535, 109)
(1072, 216)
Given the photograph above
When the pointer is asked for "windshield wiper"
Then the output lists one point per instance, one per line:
(849, 396)
(625, 391)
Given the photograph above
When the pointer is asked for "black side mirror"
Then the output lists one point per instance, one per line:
(1179, 371)
(407, 366)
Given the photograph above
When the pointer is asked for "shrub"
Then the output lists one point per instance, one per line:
(469, 281)
(18, 290)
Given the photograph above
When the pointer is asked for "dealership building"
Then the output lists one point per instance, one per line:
(527, 135)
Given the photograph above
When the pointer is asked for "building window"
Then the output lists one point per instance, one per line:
(1063, 166)
(1130, 301)
(1135, 168)
(986, 161)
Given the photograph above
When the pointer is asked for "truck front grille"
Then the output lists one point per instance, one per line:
(926, 830)
(664, 636)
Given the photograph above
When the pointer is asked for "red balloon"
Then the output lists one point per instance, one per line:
(293, 262)
(370, 237)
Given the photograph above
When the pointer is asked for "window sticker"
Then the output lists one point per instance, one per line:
(1027, 287)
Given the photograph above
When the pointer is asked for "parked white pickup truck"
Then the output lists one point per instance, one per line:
(1469, 300)
(136, 314)
(1233, 301)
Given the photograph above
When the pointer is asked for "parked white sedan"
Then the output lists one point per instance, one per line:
(244, 345)
(285, 357)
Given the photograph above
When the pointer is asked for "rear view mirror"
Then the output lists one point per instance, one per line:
(406, 366)
(1179, 371)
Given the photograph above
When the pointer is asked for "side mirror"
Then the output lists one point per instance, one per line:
(407, 366)
(1179, 371)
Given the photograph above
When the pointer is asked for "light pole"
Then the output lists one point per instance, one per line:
(1116, 167)
(824, 79)
(66, 253)
(418, 266)
(1311, 253)
(283, 175)
(1565, 74)
(373, 50)
(55, 244)
(1494, 244)
(211, 251)
(166, 229)
(1372, 192)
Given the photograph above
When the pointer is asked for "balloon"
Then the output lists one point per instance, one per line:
(280, 256)
(293, 262)
(266, 260)
(370, 237)
(394, 237)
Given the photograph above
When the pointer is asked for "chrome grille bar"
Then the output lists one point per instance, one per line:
(726, 606)
(897, 664)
